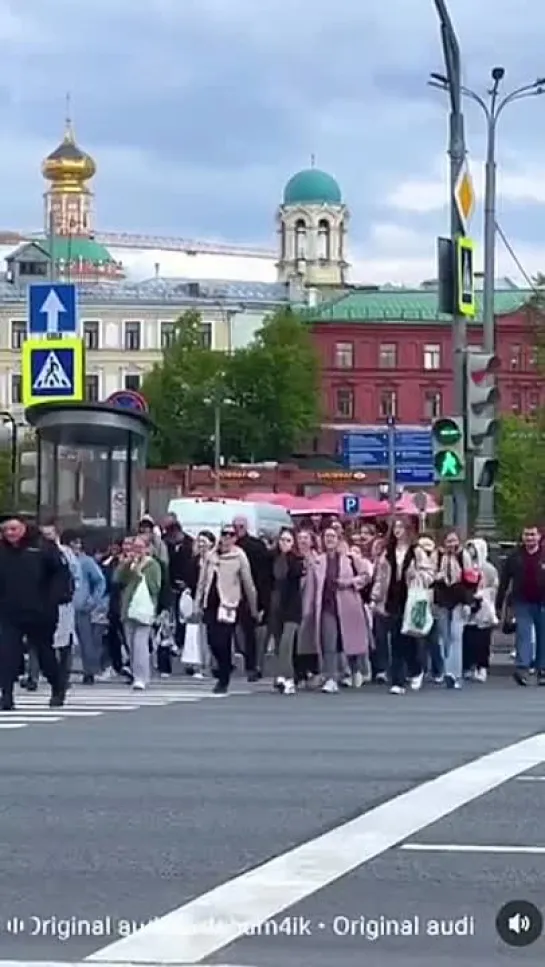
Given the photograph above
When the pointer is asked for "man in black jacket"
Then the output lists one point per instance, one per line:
(260, 559)
(34, 581)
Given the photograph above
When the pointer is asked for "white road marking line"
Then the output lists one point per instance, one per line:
(76, 713)
(531, 778)
(4, 726)
(14, 717)
(67, 963)
(463, 848)
(198, 929)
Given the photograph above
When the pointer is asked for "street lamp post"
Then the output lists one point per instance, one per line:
(492, 108)
(218, 402)
(457, 153)
(8, 419)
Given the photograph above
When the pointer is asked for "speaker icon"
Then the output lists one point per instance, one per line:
(519, 923)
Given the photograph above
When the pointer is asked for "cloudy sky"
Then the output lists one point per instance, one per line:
(198, 111)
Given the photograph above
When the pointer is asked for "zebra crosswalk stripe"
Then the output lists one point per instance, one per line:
(32, 708)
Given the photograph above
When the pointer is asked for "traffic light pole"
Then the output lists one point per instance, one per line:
(457, 154)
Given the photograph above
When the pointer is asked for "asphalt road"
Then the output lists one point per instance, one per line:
(108, 822)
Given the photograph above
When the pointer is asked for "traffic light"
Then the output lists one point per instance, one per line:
(449, 449)
(482, 397)
(485, 473)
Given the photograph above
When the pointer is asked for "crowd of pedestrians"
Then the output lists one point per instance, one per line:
(339, 606)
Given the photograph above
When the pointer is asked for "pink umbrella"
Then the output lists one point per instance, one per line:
(288, 501)
(334, 504)
(406, 505)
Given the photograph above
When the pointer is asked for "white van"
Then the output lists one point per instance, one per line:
(209, 514)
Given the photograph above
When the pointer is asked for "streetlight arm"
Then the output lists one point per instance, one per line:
(528, 90)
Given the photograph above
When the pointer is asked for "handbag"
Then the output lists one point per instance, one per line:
(191, 654)
(227, 615)
(417, 617)
(141, 608)
(186, 607)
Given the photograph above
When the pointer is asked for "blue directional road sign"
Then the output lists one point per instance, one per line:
(53, 370)
(52, 310)
(351, 504)
(367, 449)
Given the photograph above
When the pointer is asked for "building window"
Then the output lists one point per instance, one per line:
(133, 336)
(387, 356)
(168, 334)
(132, 381)
(18, 333)
(388, 404)
(432, 357)
(92, 388)
(433, 405)
(533, 403)
(324, 240)
(516, 404)
(16, 388)
(515, 357)
(206, 335)
(91, 330)
(344, 403)
(300, 239)
(532, 357)
(344, 355)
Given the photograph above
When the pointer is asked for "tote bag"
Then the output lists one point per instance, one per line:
(417, 617)
(141, 608)
(191, 655)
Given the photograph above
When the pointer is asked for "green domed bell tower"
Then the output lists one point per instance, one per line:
(312, 224)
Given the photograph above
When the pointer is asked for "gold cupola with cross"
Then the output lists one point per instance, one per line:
(68, 199)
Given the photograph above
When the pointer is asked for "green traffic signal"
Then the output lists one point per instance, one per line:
(448, 465)
(447, 432)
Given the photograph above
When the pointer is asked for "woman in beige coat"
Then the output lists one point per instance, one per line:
(399, 567)
(225, 578)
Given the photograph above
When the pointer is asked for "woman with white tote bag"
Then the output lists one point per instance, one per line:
(196, 653)
(139, 574)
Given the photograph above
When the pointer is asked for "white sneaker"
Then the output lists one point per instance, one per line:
(347, 681)
(415, 684)
(279, 684)
(481, 675)
(106, 676)
(358, 680)
(289, 687)
(397, 690)
(198, 676)
(167, 675)
(330, 687)
(138, 686)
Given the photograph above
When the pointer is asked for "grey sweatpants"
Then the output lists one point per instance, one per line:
(284, 649)
(137, 637)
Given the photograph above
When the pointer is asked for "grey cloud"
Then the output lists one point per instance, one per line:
(219, 101)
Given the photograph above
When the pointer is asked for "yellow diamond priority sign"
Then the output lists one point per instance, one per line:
(464, 196)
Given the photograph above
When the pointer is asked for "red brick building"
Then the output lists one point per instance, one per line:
(391, 352)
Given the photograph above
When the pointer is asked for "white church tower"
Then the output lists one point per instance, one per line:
(312, 224)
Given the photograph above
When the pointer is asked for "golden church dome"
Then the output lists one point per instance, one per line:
(68, 166)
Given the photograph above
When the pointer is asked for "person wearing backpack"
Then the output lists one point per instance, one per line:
(454, 590)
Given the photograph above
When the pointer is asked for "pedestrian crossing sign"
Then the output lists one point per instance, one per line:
(53, 371)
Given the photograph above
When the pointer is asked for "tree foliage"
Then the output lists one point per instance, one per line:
(267, 394)
(521, 483)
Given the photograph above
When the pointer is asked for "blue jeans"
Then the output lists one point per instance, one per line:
(450, 624)
(529, 617)
(89, 645)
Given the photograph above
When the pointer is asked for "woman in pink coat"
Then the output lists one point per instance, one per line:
(342, 626)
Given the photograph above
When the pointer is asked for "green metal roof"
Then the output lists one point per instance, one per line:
(73, 248)
(405, 306)
(312, 186)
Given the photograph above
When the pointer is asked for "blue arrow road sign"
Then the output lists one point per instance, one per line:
(351, 504)
(52, 310)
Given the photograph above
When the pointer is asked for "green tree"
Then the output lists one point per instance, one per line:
(275, 384)
(521, 483)
(267, 395)
(177, 389)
